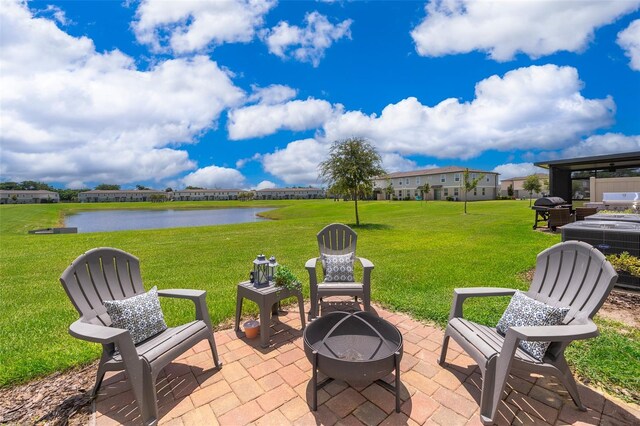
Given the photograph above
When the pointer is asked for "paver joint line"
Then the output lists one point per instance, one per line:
(271, 385)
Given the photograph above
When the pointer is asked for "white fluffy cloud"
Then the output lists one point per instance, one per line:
(505, 28)
(297, 163)
(266, 184)
(264, 119)
(70, 113)
(393, 162)
(306, 44)
(629, 40)
(539, 107)
(192, 25)
(215, 177)
(511, 170)
(609, 143)
(273, 94)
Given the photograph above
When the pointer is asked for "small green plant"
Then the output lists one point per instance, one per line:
(285, 278)
(625, 211)
(625, 262)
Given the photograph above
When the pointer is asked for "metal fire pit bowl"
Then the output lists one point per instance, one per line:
(359, 348)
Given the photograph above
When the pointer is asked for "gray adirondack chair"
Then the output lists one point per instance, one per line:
(570, 274)
(111, 274)
(338, 239)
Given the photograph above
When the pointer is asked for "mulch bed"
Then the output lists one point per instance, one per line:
(59, 399)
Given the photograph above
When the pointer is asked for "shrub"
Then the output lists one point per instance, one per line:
(624, 262)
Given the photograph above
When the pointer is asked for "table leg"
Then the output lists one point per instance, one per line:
(301, 307)
(265, 326)
(238, 310)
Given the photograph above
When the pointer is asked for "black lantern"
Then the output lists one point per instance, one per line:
(272, 267)
(260, 271)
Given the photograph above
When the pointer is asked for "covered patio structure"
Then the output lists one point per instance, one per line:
(561, 172)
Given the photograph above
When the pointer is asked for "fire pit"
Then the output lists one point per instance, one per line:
(359, 348)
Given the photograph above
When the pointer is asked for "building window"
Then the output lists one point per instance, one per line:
(456, 177)
(475, 191)
(418, 180)
(487, 178)
(399, 182)
(483, 191)
(400, 194)
(446, 192)
(443, 178)
(406, 181)
(473, 175)
(455, 192)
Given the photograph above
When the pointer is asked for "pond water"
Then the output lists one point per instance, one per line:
(121, 220)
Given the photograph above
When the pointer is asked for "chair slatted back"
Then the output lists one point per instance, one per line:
(101, 274)
(573, 274)
(337, 239)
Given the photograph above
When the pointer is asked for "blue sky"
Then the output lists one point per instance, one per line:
(250, 94)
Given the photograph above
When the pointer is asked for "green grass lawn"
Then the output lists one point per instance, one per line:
(421, 252)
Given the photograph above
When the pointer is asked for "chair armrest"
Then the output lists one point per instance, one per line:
(311, 263)
(198, 297)
(97, 333)
(180, 293)
(461, 294)
(556, 333)
(367, 267)
(366, 263)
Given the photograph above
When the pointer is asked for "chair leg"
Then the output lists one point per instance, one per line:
(487, 410)
(569, 382)
(366, 301)
(214, 351)
(99, 375)
(445, 346)
(150, 398)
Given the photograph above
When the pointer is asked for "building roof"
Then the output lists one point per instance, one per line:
(540, 175)
(289, 189)
(28, 191)
(433, 171)
(120, 191)
(611, 162)
(210, 190)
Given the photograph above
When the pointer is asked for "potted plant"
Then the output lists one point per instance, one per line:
(286, 279)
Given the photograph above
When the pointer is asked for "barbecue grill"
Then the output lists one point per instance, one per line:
(544, 204)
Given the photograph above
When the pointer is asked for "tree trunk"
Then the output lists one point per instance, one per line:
(355, 198)
(465, 203)
(530, 197)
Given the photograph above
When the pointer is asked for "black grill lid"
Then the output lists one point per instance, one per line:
(549, 202)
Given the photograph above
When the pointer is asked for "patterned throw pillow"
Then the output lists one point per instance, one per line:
(524, 311)
(140, 314)
(338, 267)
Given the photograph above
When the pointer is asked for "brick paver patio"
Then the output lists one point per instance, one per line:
(272, 386)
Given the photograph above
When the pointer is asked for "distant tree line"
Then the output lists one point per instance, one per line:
(68, 195)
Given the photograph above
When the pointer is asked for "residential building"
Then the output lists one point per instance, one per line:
(445, 183)
(206, 194)
(289, 193)
(28, 197)
(518, 186)
(110, 196)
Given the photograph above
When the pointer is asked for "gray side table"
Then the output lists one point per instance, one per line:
(267, 299)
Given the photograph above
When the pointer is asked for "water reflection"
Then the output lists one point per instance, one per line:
(121, 220)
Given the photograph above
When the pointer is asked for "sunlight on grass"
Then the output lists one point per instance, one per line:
(421, 252)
